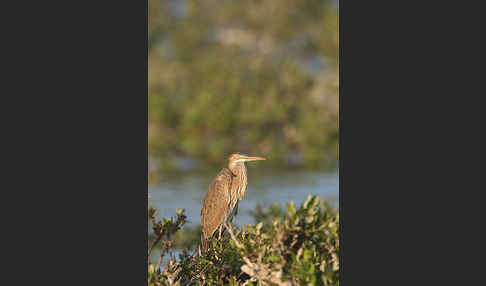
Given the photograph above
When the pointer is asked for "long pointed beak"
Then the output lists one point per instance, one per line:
(247, 159)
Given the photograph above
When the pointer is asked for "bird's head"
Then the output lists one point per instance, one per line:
(236, 158)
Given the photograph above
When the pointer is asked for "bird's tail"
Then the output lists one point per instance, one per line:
(204, 243)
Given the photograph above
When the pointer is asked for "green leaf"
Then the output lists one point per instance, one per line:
(259, 226)
(307, 255)
(308, 200)
(274, 258)
(291, 208)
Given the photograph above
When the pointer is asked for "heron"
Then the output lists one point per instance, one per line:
(220, 204)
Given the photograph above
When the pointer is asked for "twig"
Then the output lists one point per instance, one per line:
(159, 237)
(160, 260)
(233, 237)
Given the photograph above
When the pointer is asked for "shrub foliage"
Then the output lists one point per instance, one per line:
(295, 247)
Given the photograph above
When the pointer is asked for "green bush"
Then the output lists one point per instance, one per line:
(295, 247)
(231, 76)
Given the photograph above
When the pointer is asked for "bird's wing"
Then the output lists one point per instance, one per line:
(215, 204)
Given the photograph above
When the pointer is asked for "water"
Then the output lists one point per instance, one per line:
(187, 192)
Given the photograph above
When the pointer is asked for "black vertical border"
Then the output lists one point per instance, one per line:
(79, 75)
(145, 248)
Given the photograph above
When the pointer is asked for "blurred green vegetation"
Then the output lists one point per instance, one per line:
(296, 246)
(259, 77)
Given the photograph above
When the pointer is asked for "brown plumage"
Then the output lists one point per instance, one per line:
(220, 204)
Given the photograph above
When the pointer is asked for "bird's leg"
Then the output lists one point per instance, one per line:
(233, 213)
(220, 228)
